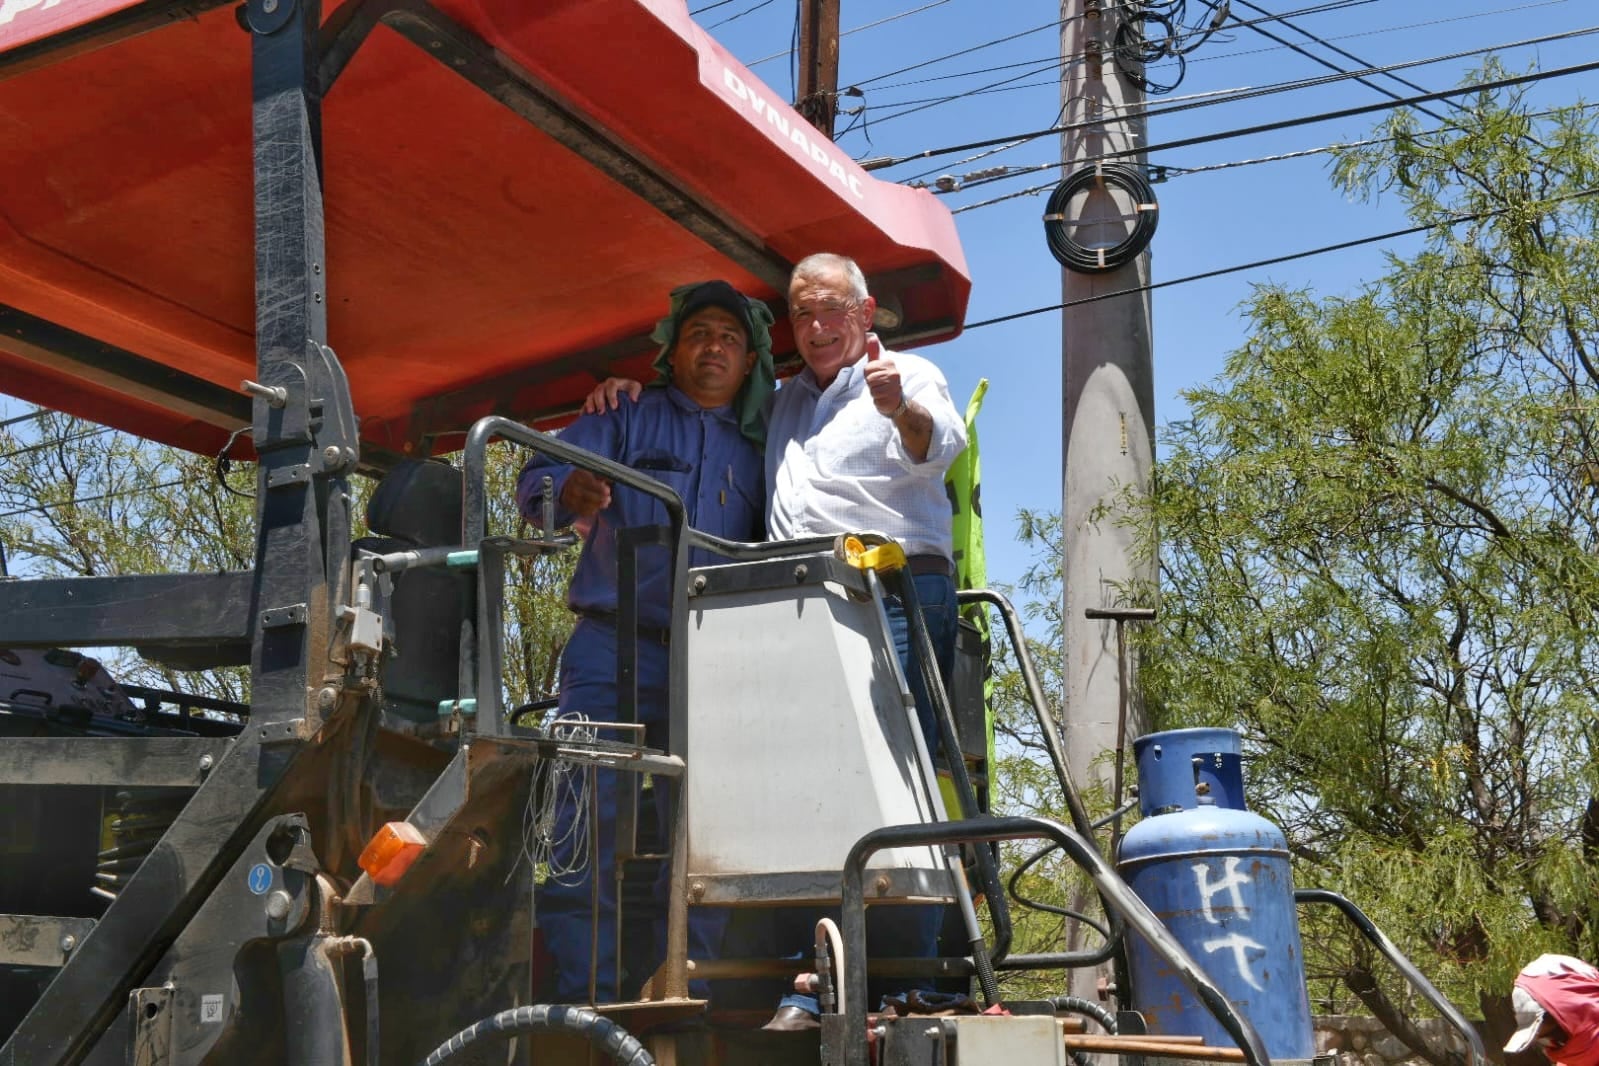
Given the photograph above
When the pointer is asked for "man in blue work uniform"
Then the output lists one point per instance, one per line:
(861, 439)
(700, 434)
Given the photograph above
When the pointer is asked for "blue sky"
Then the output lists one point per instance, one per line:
(1207, 221)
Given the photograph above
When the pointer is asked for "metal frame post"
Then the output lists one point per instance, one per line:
(304, 433)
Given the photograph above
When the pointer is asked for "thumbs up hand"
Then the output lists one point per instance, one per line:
(882, 378)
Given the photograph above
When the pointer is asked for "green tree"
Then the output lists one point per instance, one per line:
(1377, 558)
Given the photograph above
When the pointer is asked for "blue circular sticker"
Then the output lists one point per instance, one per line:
(260, 878)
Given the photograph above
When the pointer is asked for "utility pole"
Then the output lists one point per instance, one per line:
(1109, 406)
(818, 64)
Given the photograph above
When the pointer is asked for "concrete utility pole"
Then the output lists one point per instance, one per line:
(818, 64)
(1108, 392)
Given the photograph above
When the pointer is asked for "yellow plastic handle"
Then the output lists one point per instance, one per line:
(881, 558)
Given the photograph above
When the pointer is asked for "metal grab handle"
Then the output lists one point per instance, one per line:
(902, 583)
(1035, 694)
(1407, 970)
(1112, 889)
(1074, 802)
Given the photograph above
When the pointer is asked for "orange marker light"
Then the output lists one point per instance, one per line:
(391, 851)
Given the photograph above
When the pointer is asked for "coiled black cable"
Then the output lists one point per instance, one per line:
(617, 1043)
(1073, 254)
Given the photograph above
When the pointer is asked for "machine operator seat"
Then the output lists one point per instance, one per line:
(418, 505)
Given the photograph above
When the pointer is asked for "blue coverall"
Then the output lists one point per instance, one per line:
(718, 473)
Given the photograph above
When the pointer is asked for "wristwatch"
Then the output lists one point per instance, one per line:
(904, 405)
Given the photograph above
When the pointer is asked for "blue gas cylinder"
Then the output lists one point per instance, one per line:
(1218, 877)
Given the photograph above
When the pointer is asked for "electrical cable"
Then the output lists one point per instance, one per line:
(964, 51)
(564, 784)
(1076, 256)
(978, 180)
(32, 416)
(223, 464)
(53, 442)
(1243, 131)
(1454, 220)
(924, 105)
(938, 101)
(41, 507)
(1333, 66)
(1268, 90)
(747, 11)
(1310, 83)
(1056, 61)
(1134, 54)
(1056, 65)
(1031, 904)
(794, 48)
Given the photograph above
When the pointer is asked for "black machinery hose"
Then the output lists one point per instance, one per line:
(1088, 1008)
(617, 1043)
(1079, 257)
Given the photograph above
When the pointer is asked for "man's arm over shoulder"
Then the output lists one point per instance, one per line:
(607, 395)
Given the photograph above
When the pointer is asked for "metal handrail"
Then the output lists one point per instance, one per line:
(1407, 970)
(1074, 802)
(1113, 890)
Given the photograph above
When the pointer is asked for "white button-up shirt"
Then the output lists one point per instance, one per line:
(834, 465)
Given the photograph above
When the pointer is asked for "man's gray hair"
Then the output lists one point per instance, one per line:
(824, 266)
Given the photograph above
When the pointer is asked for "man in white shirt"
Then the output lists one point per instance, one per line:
(861, 440)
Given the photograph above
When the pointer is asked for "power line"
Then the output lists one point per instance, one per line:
(1244, 131)
(1309, 83)
(1178, 172)
(1340, 246)
(41, 507)
(32, 416)
(1332, 5)
(965, 51)
(734, 18)
(1054, 60)
(53, 442)
(870, 25)
(1329, 64)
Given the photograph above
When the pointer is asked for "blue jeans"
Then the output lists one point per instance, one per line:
(908, 931)
(936, 593)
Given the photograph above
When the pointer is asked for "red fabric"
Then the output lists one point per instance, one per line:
(1568, 989)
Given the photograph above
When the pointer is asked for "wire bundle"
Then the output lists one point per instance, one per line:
(564, 781)
(1087, 259)
(1154, 30)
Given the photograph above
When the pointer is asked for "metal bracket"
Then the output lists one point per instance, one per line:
(289, 475)
(332, 418)
(150, 1038)
(276, 617)
(283, 732)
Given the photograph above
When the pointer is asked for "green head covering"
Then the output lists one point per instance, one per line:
(750, 404)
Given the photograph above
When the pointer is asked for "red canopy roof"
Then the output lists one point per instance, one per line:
(483, 256)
